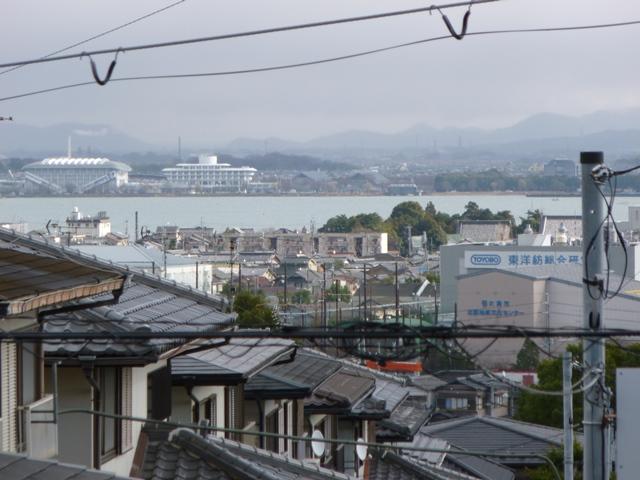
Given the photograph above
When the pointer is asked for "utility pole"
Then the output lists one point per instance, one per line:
(164, 250)
(567, 415)
(197, 274)
(136, 227)
(285, 281)
(397, 295)
(337, 284)
(324, 295)
(364, 282)
(593, 215)
(239, 276)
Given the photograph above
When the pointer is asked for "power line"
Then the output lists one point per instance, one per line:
(356, 332)
(99, 35)
(250, 33)
(321, 61)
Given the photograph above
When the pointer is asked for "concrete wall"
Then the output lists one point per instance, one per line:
(452, 265)
(497, 298)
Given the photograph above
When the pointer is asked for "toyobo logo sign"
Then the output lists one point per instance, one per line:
(518, 258)
(485, 259)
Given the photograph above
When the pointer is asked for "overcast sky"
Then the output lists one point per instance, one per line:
(481, 81)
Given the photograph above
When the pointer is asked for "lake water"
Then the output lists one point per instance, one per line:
(265, 212)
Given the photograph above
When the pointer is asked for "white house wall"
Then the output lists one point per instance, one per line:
(121, 464)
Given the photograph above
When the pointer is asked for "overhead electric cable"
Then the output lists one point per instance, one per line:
(250, 33)
(319, 61)
(302, 333)
(102, 34)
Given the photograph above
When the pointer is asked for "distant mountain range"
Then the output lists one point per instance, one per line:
(619, 130)
(541, 135)
(26, 140)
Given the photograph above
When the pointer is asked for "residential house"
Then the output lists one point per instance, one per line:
(522, 443)
(472, 392)
(290, 382)
(35, 282)
(209, 384)
(121, 377)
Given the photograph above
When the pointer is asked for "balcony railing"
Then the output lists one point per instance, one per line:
(38, 428)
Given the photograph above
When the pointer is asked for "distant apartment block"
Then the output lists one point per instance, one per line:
(209, 175)
(75, 175)
(286, 243)
(560, 168)
(88, 226)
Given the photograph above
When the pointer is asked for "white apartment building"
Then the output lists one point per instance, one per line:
(209, 175)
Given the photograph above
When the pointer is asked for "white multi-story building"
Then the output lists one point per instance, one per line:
(209, 175)
(75, 175)
(88, 226)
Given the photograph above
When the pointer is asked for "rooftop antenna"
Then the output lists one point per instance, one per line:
(69, 146)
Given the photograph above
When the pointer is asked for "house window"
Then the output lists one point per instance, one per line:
(109, 430)
(210, 411)
(454, 403)
(271, 426)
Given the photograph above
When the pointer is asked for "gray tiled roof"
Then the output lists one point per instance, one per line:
(391, 466)
(308, 368)
(404, 421)
(342, 391)
(427, 382)
(239, 359)
(20, 467)
(481, 467)
(142, 307)
(497, 435)
(270, 385)
(183, 454)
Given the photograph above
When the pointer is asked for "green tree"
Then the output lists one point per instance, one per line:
(338, 224)
(556, 455)
(533, 219)
(342, 293)
(547, 410)
(411, 214)
(253, 310)
(529, 356)
(301, 297)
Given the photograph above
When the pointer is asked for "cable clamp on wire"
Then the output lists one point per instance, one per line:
(601, 173)
(452, 31)
(596, 282)
(94, 69)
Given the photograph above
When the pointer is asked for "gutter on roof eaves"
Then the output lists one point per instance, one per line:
(84, 304)
(56, 297)
(107, 361)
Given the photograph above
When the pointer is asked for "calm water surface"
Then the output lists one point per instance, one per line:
(264, 212)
